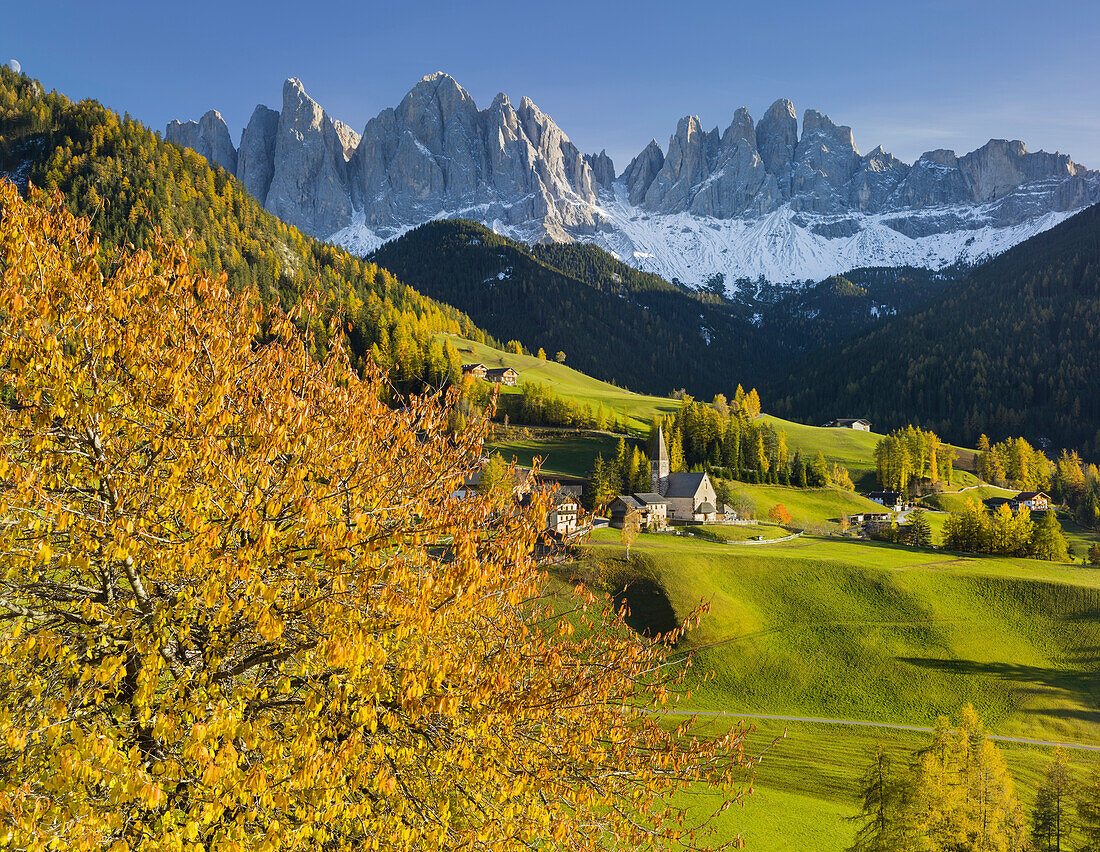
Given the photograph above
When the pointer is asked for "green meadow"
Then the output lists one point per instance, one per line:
(830, 628)
(807, 505)
(637, 409)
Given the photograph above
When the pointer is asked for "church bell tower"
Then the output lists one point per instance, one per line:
(659, 467)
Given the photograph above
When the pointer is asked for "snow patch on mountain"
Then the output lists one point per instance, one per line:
(786, 247)
(783, 247)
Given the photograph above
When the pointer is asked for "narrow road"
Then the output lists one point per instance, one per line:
(863, 724)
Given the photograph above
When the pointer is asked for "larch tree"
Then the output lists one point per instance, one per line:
(1088, 810)
(1050, 818)
(1048, 542)
(242, 606)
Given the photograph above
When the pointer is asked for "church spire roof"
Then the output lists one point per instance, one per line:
(662, 449)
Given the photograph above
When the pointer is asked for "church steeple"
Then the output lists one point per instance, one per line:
(659, 466)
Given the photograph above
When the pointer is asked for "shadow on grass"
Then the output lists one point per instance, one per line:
(649, 611)
(1083, 682)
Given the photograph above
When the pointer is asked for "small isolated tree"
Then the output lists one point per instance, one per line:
(919, 532)
(845, 522)
(1094, 555)
(632, 527)
(880, 816)
(779, 514)
(244, 608)
(542, 354)
(560, 357)
(1050, 820)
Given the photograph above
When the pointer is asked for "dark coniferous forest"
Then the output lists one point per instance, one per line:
(1013, 348)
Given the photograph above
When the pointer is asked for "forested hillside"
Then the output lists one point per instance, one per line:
(612, 322)
(130, 183)
(620, 324)
(1013, 348)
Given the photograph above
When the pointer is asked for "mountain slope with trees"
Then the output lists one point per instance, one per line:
(613, 322)
(131, 184)
(1013, 348)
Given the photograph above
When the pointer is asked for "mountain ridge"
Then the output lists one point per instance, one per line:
(760, 199)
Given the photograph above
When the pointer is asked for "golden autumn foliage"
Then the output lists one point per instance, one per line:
(240, 607)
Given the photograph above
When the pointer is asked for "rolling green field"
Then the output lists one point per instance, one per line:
(806, 505)
(854, 450)
(639, 410)
(864, 630)
(747, 532)
(572, 455)
(956, 501)
(840, 629)
(805, 786)
(854, 630)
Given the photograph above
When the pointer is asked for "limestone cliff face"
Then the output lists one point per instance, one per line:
(642, 170)
(256, 156)
(208, 136)
(437, 154)
(310, 187)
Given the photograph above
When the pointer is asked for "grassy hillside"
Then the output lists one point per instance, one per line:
(639, 409)
(828, 628)
(806, 505)
(572, 455)
(846, 629)
(854, 449)
(956, 502)
(805, 786)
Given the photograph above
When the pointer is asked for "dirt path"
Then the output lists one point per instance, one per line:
(851, 723)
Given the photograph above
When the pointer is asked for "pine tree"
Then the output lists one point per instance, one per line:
(818, 473)
(799, 469)
(920, 531)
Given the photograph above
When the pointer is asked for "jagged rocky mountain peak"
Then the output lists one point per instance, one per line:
(603, 169)
(208, 136)
(642, 170)
(757, 198)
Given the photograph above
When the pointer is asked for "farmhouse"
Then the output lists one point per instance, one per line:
(562, 519)
(892, 500)
(860, 518)
(847, 423)
(1036, 501)
(652, 510)
(478, 371)
(502, 376)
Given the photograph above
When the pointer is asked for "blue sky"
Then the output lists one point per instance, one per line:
(912, 76)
